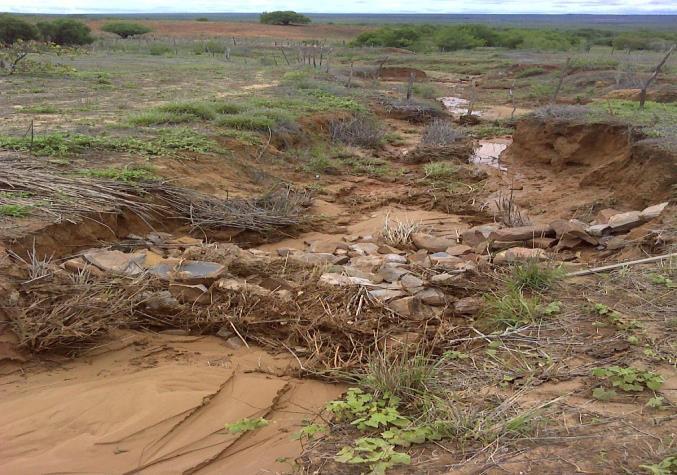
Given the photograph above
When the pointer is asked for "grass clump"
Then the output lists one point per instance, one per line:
(40, 109)
(397, 233)
(246, 121)
(126, 175)
(440, 133)
(14, 210)
(439, 170)
(529, 72)
(532, 276)
(362, 130)
(184, 112)
(511, 309)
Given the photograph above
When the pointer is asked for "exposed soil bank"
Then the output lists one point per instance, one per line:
(637, 172)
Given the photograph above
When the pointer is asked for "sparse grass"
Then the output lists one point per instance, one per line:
(439, 170)
(398, 233)
(367, 166)
(127, 175)
(440, 133)
(529, 72)
(533, 276)
(426, 91)
(40, 109)
(246, 121)
(489, 130)
(14, 210)
(511, 308)
(362, 130)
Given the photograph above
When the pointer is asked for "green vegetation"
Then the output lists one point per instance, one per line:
(246, 425)
(40, 109)
(626, 379)
(532, 276)
(529, 72)
(14, 210)
(167, 142)
(439, 170)
(456, 37)
(667, 466)
(13, 28)
(125, 29)
(286, 17)
(159, 49)
(127, 175)
(511, 309)
(65, 32)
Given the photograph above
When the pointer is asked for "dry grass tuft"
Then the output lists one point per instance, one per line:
(398, 233)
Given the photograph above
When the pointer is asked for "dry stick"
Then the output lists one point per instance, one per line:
(642, 94)
(285, 56)
(620, 265)
(563, 74)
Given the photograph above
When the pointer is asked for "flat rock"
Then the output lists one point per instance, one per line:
(411, 283)
(468, 305)
(519, 254)
(654, 211)
(521, 233)
(572, 229)
(365, 248)
(189, 272)
(442, 259)
(605, 214)
(386, 249)
(541, 243)
(367, 263)
(391, 272)
(446, 279)
(431, 243)
(311, 258)
(501, 245)
(458, 250)
(191, 294)
(160, 302)
(434, 297)
(598, 230)
(386, 295)
(116, 262)
(625, 221)
(616, 242)
(78, 265)
(328, 247)
(420, 258)
(342, 280)
(237, 285)
(478, 234)
(394, 258)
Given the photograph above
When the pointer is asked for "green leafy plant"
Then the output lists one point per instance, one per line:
(629, 379)
(246, 425)
(553, 308)
(377, 453)
(667, 466)
(309, 431)
(659, 279)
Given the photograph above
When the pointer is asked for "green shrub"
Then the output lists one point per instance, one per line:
(202, 18)
(159, 49)
(511, 309)
(65, 32)
(127, 175)
(199, 110)
(529, 72)
(13, 28)
(14, 211)
(246, 121)
(287, 17)
(125, 29)
(533, 276)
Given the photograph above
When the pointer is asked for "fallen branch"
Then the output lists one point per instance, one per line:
(595, 270)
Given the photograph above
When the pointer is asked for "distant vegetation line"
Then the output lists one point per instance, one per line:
(663, 21)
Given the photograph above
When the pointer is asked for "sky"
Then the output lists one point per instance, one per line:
(343, 6)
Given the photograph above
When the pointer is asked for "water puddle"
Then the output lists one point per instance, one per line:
(457, 105)
(488, 153)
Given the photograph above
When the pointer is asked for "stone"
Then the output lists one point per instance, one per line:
(654, 211)
(407, 306)
(446, 279)
(541, 243)
(286, 251)
(367, 263)
(431, 243)
(598, 230)
(191, 294)
(434, 297)
(341, 260)
(411, 283)
(160, 302)
(355, 272)
(189, 272)
(310, 258)
(616, 242)
(478, 234)
(502, 245)
(625, 221)
(186, 241)
(521, 233)
(386, 295)
(458, 250)
(442, 259)
(365, 248)
(234, 343)
(386, 249)
(604, 215)
(323, 246)
(236, 285)
(420, 258)
(573, 230)
(394, 258)
(116, 262)
(78, 265)
(151, 259)
(341, 280)
(468, 305)
(391, 272)
(519, 254)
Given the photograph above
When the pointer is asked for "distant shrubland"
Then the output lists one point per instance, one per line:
(456, 37)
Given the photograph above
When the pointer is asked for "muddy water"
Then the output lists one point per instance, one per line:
(489, 151)
(457, 105)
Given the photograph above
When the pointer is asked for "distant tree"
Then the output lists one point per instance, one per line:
(125, 29)
(455, 39)
(13, 28)
(65, 32)
(284, 18)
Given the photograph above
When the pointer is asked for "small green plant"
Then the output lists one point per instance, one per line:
(159, 49)
(376, 452)
(309, 431)
(14, 210)
(40, 109)
(659, 279)
(553, 308)
(529, 72)
(246, 425)
(127, 175)
(615, 318)
(655, 402)
(511, 309)
(533, 276)
(629, 379)
(439, 170)
(667, 466)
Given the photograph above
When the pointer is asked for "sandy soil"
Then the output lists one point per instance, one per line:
(157, 403)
